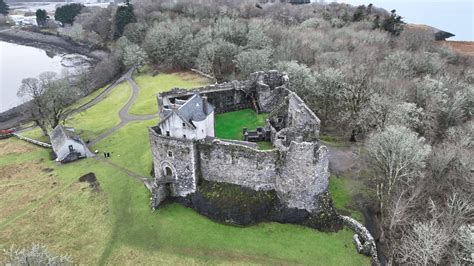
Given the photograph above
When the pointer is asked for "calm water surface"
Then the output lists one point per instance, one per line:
(18, 62)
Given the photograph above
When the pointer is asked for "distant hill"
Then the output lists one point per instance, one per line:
(460, 46)
(439, 35)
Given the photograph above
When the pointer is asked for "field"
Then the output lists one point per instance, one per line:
(41, 201)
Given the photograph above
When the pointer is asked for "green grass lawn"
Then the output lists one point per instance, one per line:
(150, 86)
(35, 133)
(87, 98)
(342, 195)
(102, 116)
(116, 225)
(130, 147)
(229, 125)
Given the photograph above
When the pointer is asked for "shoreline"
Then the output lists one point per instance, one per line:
(18, 115)
(49, 43)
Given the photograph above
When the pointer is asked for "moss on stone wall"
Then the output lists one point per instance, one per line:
(225, 195)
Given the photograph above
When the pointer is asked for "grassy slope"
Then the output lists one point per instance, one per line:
(230, 125)
(88, 98)
(116, 226)
(102, 116)
(130, 147)
(35, 133)
(150, 86)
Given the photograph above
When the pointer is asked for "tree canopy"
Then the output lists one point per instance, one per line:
(41, 17)
(4, 8)
(66, 14)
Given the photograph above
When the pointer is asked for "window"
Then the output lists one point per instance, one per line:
(280, 119)
(170, 154)
(167, 133)
(184, 124)
(184, 136)
(71, 148)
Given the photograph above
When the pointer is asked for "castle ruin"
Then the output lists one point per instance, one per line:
(185, 150)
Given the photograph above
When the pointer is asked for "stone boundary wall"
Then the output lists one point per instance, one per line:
(363, 240)
(203, 74)
(238, 164)
(33, 141)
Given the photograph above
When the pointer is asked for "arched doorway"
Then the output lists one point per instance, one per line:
(168, 172)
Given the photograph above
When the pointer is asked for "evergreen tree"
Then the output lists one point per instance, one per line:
(359, 14)
(4, 9)
(123, 17)
(41, 17)
(393, 23)
(66, 14)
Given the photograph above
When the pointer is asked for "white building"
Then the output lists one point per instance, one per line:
(67, 145)
(190, 119)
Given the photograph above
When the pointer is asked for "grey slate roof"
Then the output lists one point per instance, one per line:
(192, 109)
(59, 136)
(189, 110)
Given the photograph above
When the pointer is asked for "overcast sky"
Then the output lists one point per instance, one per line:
(455, 16)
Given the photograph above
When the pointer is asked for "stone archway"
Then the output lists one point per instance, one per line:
(168, 171)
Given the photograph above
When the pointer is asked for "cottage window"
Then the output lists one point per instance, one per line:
(170, 154)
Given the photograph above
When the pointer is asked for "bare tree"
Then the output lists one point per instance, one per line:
(424, 244)
(50, 97)
(397, 155)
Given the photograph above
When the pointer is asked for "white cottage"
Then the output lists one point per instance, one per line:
(189, 119)
(67, 145)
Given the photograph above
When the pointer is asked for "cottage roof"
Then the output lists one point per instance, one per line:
(60, 135)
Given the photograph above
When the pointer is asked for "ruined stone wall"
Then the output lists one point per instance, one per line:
(239, 165)
(303, 176)
(179, 155)
(226, 97)
(302, 118)
(297, 169)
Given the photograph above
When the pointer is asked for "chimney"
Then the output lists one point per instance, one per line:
(204, 104)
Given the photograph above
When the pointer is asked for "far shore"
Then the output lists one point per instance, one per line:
(48, 42)
(18, 115)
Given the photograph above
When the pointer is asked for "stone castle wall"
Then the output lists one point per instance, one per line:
(297, 169)
(267, 88)
(239, 165)
(179, 155)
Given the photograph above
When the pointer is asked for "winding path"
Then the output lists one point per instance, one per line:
(125, 116)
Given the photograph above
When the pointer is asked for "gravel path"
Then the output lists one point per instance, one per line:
(125, 116)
